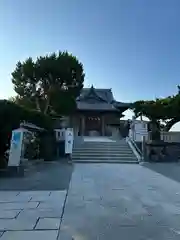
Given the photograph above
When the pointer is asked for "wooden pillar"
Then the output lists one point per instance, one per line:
(82, 125)
(103, 125)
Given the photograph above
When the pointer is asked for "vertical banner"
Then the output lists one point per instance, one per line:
(15, 148)
(69, 140)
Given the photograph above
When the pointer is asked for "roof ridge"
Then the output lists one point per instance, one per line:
(99, 88)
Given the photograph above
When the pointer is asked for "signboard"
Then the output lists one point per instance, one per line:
(69, 140)
(15, 148)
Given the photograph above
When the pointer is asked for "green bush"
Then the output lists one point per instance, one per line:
(11, 115)
(48, 145)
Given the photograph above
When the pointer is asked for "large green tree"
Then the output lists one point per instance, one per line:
(153, 111)
(164, 110)
(171, 111)
(50, 83)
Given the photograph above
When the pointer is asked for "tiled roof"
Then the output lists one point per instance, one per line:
(99, 99)
(95, 106)
(105, 94)
(121, 104)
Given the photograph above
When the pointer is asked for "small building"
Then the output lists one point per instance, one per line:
(97, 113)
(138, 129)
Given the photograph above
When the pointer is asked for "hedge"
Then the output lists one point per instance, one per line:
(11, 115)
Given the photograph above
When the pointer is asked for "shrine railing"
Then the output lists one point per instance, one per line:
(170, 136)
(165, 136)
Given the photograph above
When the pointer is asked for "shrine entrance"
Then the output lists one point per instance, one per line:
(93, 126)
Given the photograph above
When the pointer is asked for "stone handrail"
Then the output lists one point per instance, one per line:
(134, 148)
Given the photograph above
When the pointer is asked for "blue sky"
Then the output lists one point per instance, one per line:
(131, 46)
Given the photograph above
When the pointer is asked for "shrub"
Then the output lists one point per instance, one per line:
(11, 115)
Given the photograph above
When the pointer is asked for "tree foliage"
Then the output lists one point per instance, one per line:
(166, 110)
(11, 115)
(47, 83)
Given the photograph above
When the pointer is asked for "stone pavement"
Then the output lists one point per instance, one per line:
(31, 214)
(120, 201)
(46, 176)
(170, 170)
(104, 201)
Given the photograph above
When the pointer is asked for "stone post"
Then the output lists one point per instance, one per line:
(143, 149)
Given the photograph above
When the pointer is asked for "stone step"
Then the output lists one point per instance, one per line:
(103, 154)
(102, 147)
(106, 150)
(106, 161)
(103, 157)
(105, 143)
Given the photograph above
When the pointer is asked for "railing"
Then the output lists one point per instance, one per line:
(165, 136)
(137, 152)
(136, 147)
(170, 136)
(173, 137)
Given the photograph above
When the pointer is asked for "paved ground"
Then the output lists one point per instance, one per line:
(170, 170)
(34, 214)
(104, 201)
(45, 176)
(109, 201)
(31, 215)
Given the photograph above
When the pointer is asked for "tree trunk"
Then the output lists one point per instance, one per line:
(47, 105)
(37, 104)
(155, 130)
(36, 98)
(171, 123)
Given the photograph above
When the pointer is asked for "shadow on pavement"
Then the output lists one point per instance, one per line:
(170, 170)
(44, 176)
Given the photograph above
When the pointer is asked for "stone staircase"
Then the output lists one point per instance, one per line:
(105, 152)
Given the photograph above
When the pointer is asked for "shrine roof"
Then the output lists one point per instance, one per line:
(99, 99)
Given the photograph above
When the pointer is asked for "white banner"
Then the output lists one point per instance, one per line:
(69, 140)
(15, 148)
